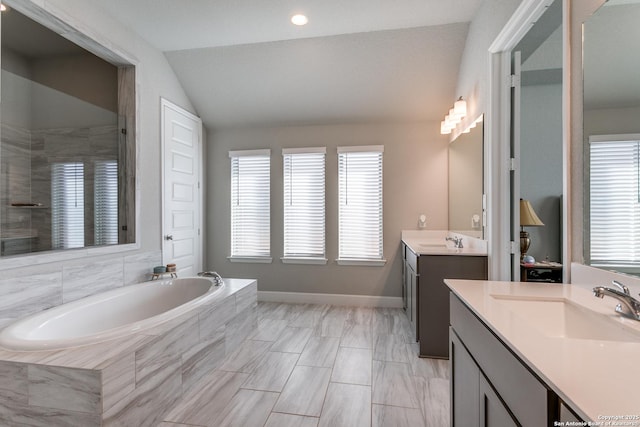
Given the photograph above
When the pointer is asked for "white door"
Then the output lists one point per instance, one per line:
(182, 200)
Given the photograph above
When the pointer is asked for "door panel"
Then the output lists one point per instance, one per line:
(182, 151)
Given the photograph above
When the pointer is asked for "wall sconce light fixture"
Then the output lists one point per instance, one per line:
(455, 116)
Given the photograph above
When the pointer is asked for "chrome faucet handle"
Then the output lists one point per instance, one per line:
(622, 287)
(217, 279)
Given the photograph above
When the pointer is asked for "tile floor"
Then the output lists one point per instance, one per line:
(319, 365)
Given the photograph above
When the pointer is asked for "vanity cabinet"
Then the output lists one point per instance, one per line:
(426, 296)
(490, 386)
(409, 289)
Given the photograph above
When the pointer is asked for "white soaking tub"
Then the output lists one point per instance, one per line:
(108, 315)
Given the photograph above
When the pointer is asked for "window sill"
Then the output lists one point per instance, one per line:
(251, 259)
(362, 262)
(304, 260)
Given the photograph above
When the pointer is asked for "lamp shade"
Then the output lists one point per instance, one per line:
(528, 216)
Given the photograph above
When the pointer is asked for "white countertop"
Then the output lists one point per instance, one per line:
(595, 377)
(432, 242)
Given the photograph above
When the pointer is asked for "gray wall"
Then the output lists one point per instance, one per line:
(473, 79)
(33, 288)
(541, 166)
(415, 182)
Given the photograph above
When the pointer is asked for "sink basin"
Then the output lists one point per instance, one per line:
(562, 318)
(433, 245)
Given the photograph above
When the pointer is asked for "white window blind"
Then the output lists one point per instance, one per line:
(304, 203)
(250, 203)
(360, 200)
(614, 202)
(105, 199)
(67, 205)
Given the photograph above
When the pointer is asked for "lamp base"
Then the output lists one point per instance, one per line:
(525, 242)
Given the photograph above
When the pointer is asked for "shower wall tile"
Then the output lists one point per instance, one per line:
(104, 275)
(21, 296)
(65, 388)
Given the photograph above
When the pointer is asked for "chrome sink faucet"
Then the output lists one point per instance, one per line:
(457, 241)
(217, 279)
(628, 305)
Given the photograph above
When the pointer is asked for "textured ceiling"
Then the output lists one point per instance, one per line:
(242, 63)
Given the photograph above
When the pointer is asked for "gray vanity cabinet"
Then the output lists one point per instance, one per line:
(433, 297)
(426, 297)
(410, 287)
(490, 386)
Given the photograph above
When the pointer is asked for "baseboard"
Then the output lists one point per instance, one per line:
(333, 299)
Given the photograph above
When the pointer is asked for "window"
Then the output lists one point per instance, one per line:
(614, 200)
(105, 201)
(304, 205)
(250, 205)
(360, 200)
(67, 205)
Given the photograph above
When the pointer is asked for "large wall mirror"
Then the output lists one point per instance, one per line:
(466, 182)
(67, 139)
(612, 137)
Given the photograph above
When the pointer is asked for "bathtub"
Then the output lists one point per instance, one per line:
(108, 315)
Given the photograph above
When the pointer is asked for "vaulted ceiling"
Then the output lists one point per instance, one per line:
(242, 62)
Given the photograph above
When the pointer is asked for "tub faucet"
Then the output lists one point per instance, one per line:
(457, 241)
(628, 305)
(217, 279)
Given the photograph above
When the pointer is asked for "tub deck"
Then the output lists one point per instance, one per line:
(131, 380)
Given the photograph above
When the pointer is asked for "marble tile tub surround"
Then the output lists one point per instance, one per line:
(131, 381)
(414, 239)
(28, 290)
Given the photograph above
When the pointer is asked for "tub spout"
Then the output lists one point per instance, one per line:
(217, 279)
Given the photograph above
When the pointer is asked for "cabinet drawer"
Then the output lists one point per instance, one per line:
(412, 259)
(527, 398)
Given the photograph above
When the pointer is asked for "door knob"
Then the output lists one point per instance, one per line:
(168, 237)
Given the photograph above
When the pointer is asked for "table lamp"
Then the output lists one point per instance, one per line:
(528, 218)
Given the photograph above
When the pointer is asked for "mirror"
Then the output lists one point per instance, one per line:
(466, 182)
(611, 137)
(67, 144)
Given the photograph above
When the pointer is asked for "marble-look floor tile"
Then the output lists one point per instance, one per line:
(304, 392)
(207, 400)
(14, 385)
(246, 409)
(424, 366)
(269, 329)
(310, 317)
(394, 385)
(170, 424)
(347, 405)
(390, 348)
(277, 419)
(330, 326)
(246, 357)
(320, 352)
(273, 372)
(352, 366)
(292, 340)
(384, 416)
(434, 397)
(356, 335)
(362, 316)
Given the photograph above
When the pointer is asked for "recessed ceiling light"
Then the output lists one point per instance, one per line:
(299, 19)
(3, 8)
